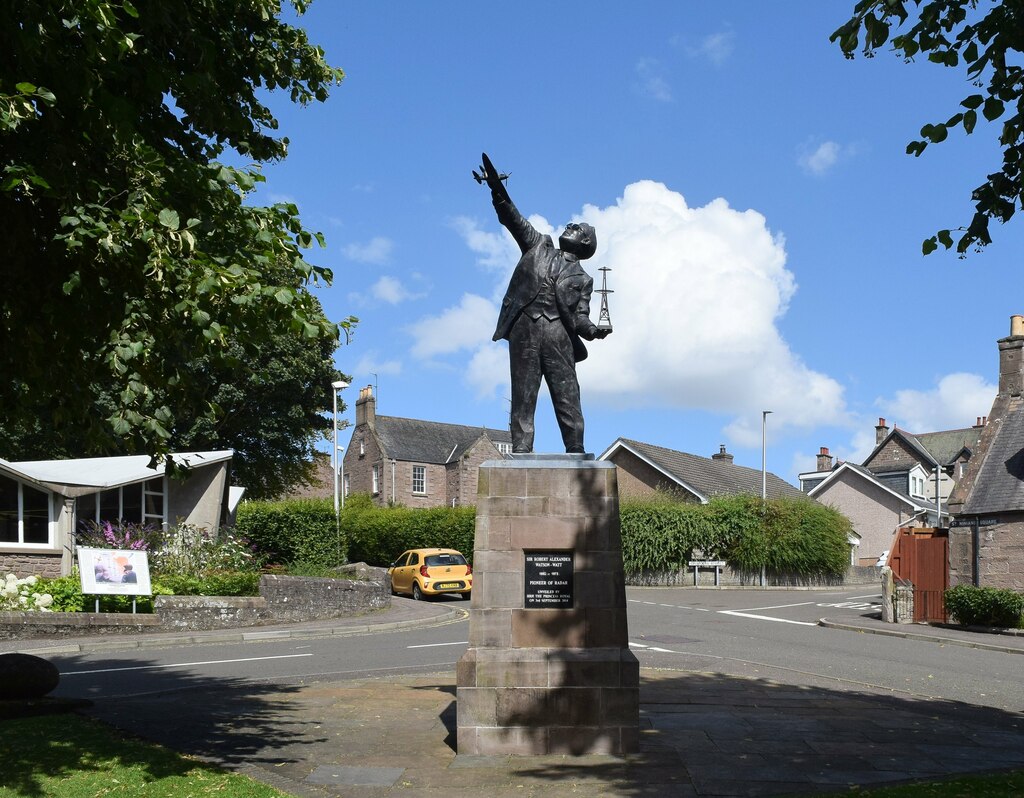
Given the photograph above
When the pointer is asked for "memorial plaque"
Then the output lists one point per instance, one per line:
(549, 577)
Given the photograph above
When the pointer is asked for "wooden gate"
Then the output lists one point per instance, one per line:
(921, 556)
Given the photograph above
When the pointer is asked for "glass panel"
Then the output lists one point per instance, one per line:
(110, 505)
(414, 559)
(154, 496)
(8, 510)
(131, 503)
(445, 559)
(36, 515)
(86, 507)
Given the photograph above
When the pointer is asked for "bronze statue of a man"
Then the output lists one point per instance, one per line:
(545, 313)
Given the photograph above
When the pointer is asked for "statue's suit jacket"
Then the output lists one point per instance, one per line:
(573, 286)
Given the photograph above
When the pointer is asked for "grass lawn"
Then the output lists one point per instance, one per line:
(1003, 785)
(69, 756)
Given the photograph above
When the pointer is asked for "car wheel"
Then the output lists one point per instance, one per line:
(466, 596)
(417, 594)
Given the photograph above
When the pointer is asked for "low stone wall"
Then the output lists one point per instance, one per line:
(282, 599)
(855, 575)
(28, 625)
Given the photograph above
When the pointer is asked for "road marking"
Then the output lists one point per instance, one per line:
(182, 664)
(431, 645)
(653, 648)
(768, 617)
(872, 596)
(773, 607)
(670, 606)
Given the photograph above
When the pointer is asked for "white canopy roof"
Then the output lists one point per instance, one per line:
(104, 472)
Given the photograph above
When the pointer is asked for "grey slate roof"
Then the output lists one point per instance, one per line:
(417, 441)
(707, 476)
(879, 479)
(1000, 483)
(944, 446)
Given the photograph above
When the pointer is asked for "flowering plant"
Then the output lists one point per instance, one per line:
(123, 535)
(16, 594)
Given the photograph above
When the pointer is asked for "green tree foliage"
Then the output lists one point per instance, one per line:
(986, 37)
(131, 255)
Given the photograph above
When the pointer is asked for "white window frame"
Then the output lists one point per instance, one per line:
(51, 523)
(422, 471)
(344, 486)
(93, 512)
(503, 447)
(376, 479)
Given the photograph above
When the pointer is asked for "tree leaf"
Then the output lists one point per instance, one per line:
(169, 218)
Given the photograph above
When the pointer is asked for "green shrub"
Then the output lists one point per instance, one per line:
(189, 549)
(985, 606)
(212, 583)
(796, 536)
(65, 590)
(293, 530)
(376, 535)
(660, 533)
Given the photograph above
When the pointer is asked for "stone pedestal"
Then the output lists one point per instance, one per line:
(548, 669)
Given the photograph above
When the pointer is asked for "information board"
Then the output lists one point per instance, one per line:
(549, 577)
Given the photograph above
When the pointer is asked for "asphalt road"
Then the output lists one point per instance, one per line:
(767, 634)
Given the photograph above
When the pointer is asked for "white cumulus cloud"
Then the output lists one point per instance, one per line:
(956, 401)
(820, 159)
(651, 80)
(391, 290)
(376, 250)
(468, 325)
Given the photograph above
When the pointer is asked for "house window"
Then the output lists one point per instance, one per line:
(141, 503)
(376, 480)
(503, 447)
(362, 447)
(24, 515)
(419, 479)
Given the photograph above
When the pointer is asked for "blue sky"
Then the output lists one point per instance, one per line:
(751, 194)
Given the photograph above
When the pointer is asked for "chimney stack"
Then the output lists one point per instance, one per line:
(881, 431)
(722, 454)
(1011, 362)
(824, 460)
(366, 408)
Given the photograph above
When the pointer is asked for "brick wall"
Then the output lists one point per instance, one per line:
(874, 512)
(1002, 553)
(22, 565)
(893, 455)
(637, 478)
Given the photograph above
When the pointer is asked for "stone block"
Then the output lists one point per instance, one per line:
(544, 532)
(579, 740)
(501, 590)
(477, 706)
(546, 482)
(490, 628)
(491, 561)
(548, 629)
(606, 628)
(502, 481)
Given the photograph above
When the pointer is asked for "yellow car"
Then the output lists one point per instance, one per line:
(431, 572)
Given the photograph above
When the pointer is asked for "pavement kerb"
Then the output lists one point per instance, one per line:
(247, 635)
(924, 636)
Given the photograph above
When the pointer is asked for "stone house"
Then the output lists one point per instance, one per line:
(986, 539)
(416, 463)
(644, 469)
(43, 502)
(896, 485)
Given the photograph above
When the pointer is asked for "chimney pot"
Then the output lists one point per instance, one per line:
(1016, 325)
(722, 454)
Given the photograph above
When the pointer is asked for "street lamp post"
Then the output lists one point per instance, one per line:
(764, 473)
(337, 386)
(764, 467)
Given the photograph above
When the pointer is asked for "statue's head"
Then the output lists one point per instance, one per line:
(579, 239)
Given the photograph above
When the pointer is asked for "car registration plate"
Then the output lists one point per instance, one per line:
(448, 585)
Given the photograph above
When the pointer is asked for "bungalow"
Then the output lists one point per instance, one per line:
(42, 502)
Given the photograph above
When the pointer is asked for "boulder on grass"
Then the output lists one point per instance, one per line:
(23, 676)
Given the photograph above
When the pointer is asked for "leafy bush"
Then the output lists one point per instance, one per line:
(212, 583)
(189, 549)
(20, 595)
(660, 533)
(66, 592)
(293, 530)
(795, 536)
(985, 606)
(376, 535)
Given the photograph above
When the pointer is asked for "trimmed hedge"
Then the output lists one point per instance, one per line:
(793, 536)
(297, 530)
(660, 533)
(377, 535)
(985, 606)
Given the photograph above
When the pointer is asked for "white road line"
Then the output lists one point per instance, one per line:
(774, 607)
(432, 645)
(182, 664)
(873, 595)
(670, 606)
(767, 617)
